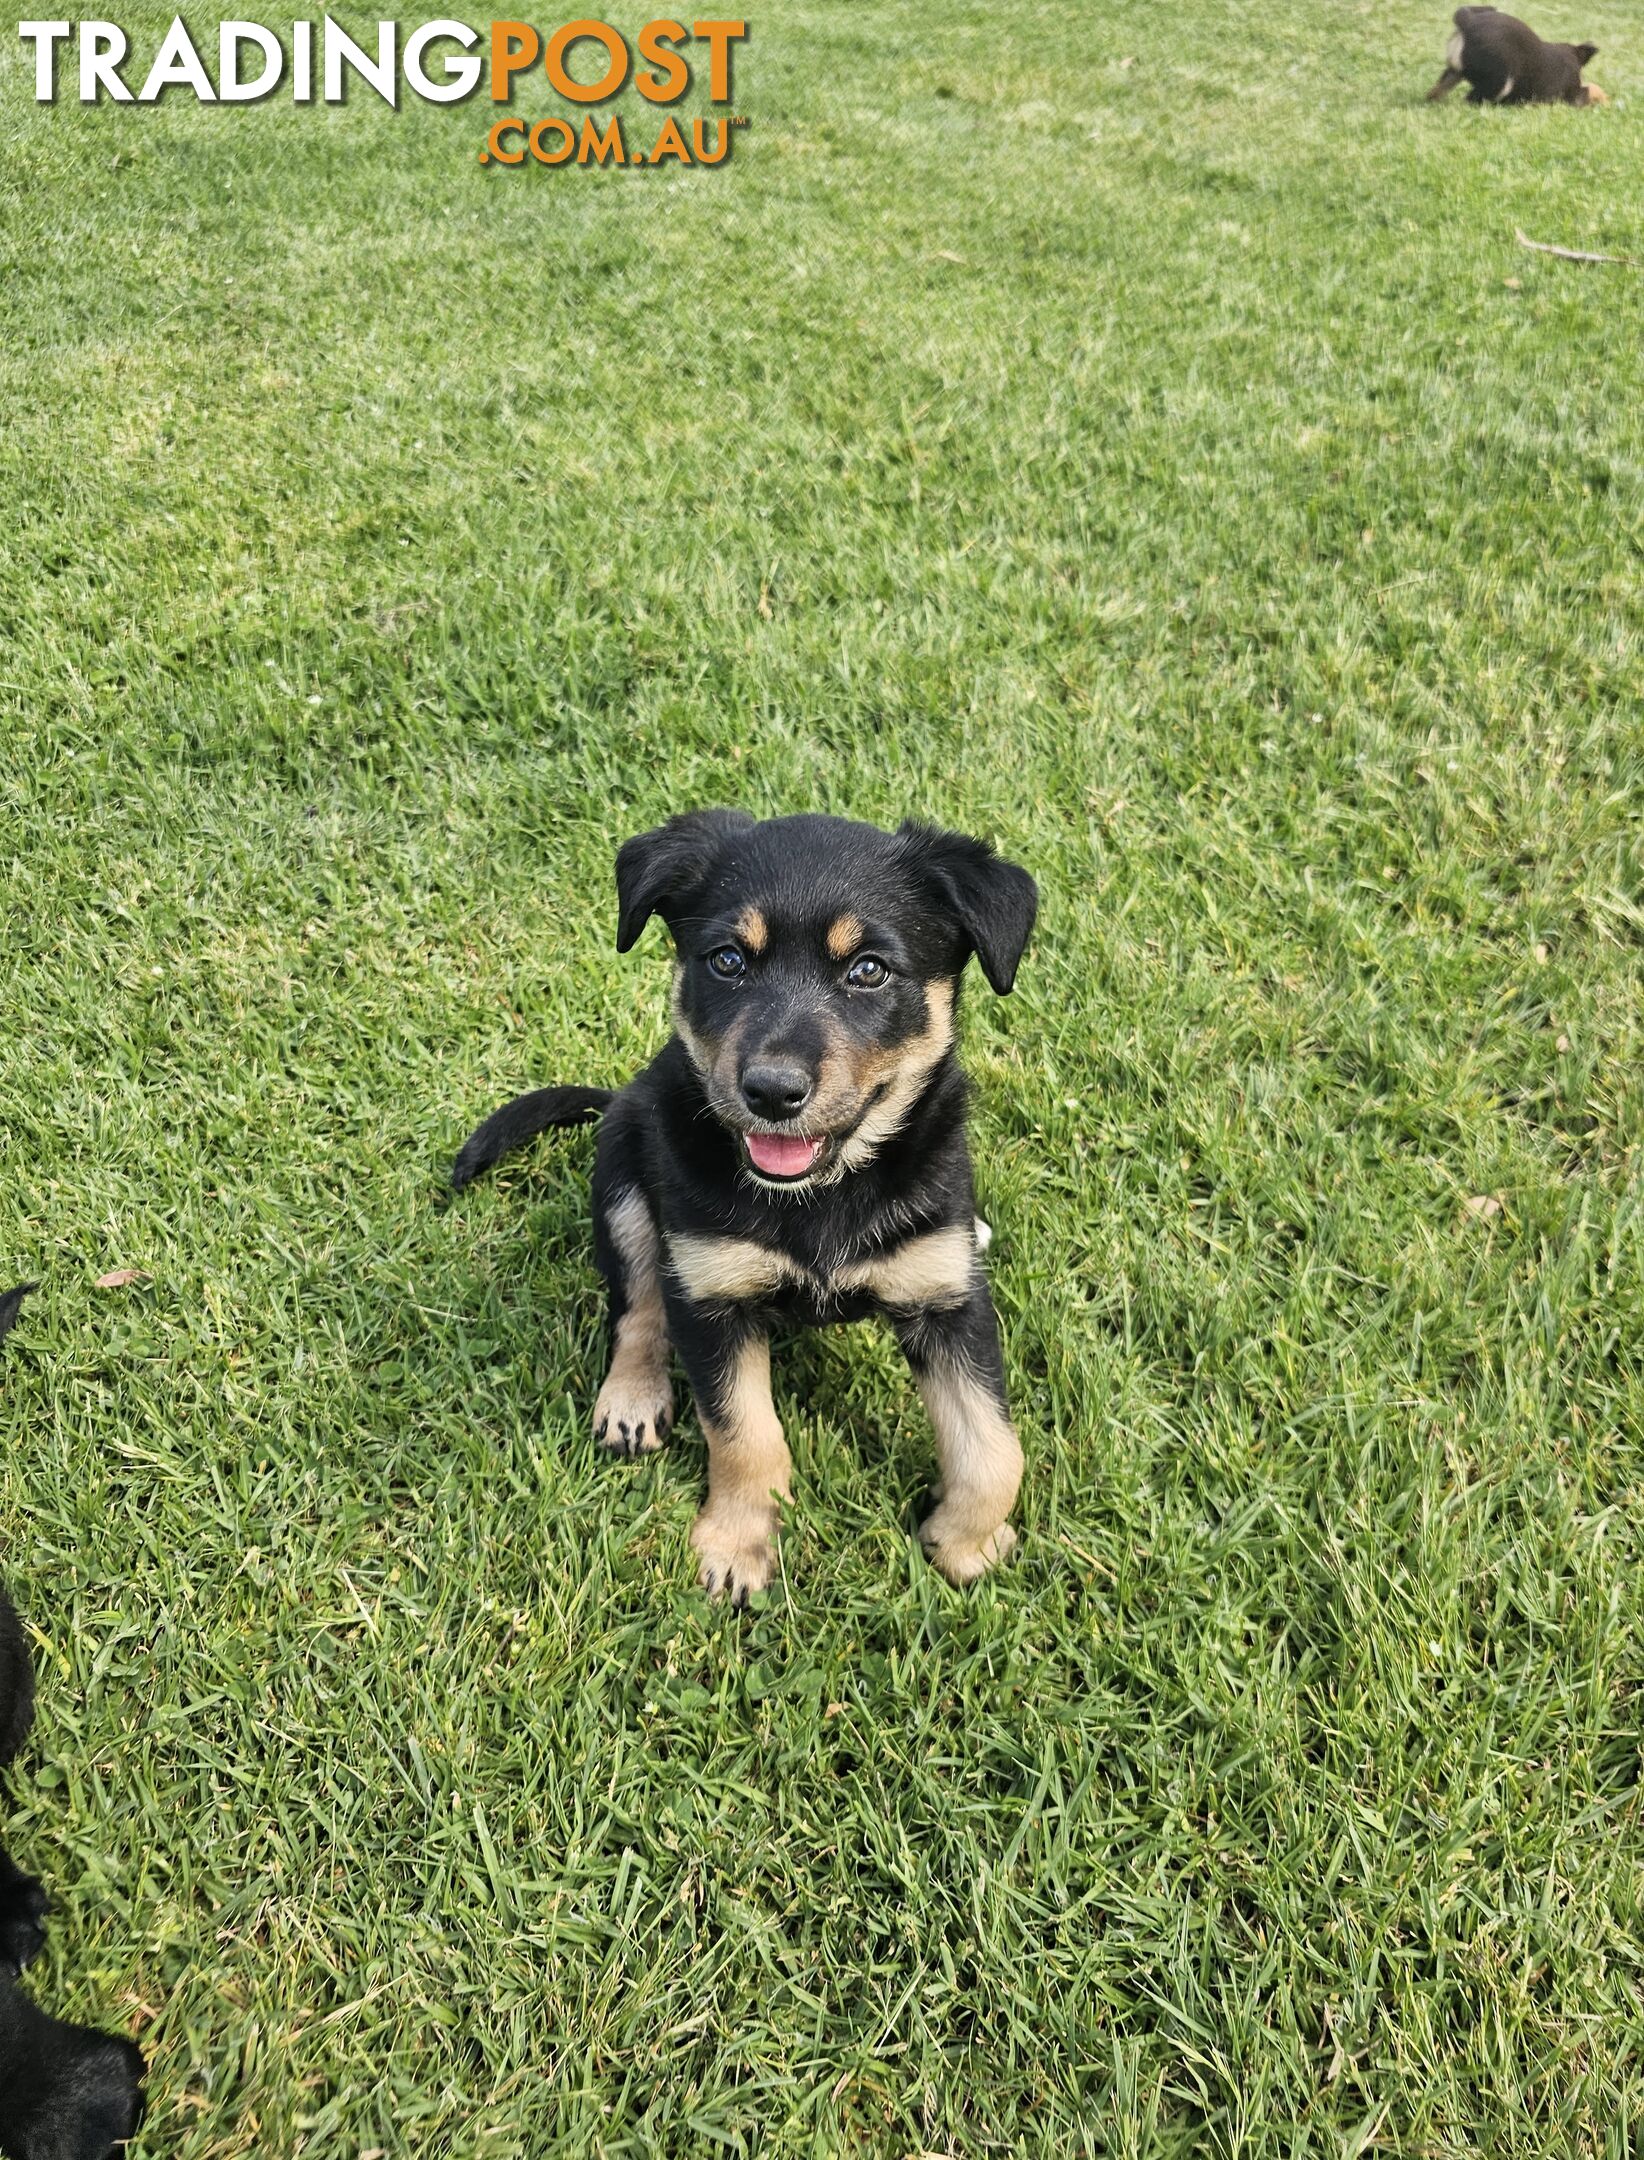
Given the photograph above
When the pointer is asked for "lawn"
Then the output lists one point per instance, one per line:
(1132, 434)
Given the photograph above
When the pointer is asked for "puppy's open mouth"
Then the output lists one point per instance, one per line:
(784, 1158)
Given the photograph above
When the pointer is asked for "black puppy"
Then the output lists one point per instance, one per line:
(66, 2092)
(1505, 63)
(797, 1152)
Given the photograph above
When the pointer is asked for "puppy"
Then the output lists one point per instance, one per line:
(66, 2093)
(1505, 63)
(797, 1152)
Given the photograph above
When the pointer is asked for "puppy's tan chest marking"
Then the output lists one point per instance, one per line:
(937, 1268)
(715, 1270)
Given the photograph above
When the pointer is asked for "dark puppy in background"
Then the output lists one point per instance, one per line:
(1505, 63)
(66, 2092)
(797, 1152)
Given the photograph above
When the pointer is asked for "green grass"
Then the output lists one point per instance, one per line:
(1174, 470)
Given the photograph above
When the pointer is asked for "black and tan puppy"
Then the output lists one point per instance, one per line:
(66, 2092)
(1505, 63)
(797, 1152)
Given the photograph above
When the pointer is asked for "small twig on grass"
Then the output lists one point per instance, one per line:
(1546, 247)
(1101, 1566)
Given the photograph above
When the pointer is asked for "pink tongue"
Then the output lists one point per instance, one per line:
(779, 1156)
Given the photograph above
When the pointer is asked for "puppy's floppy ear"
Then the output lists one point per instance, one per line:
(992, 901)
(657, 870)
(1584, 53)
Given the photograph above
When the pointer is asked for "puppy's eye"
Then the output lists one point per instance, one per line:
(727, 963)
(867, 973)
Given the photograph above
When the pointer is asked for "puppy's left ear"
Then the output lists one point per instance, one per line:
(658, 871)
(993, 901)
(1584, 54)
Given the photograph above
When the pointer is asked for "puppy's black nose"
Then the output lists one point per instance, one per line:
(775, 1089)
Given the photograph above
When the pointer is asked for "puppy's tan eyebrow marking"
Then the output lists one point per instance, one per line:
(752, 928)
(844, 935)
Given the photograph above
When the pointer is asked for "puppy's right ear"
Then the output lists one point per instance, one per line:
(1584, 54)
(657, 872)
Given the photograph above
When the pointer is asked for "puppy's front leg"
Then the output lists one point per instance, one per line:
(954, 1352)
(1445, 84)
(727, 1356)
(635, 1407)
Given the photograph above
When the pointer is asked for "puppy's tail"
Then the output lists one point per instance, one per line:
(11, 1304)
(522, 1120)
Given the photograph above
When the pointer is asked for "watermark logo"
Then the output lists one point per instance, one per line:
(444, 62)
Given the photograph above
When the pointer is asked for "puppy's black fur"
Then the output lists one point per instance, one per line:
(66, 2092)
(1504, 63)
(797, 1152)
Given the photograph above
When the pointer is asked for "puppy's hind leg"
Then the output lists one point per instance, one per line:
(635, 1407)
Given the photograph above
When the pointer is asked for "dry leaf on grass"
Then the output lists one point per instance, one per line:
(117, 1278)
(1483, 1204)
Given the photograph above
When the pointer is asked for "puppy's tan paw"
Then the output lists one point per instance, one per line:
(960, 1558)
(633, 1416)
(737, 1549)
